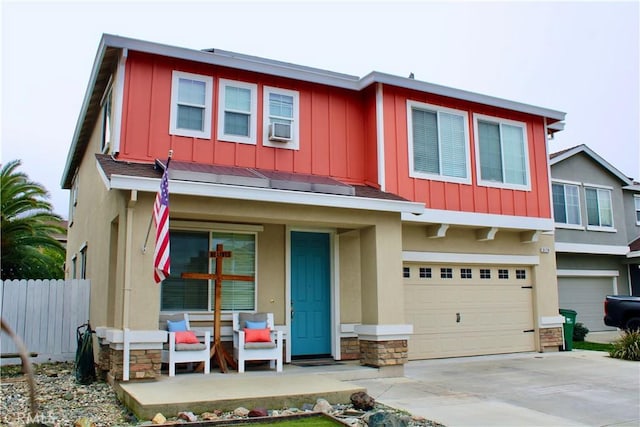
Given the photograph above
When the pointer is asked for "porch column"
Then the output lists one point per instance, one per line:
(383, 335)
(549, 329)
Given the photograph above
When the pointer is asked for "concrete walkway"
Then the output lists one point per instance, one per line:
(573, 388)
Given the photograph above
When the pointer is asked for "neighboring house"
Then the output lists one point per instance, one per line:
(384, 218)
(597, 216)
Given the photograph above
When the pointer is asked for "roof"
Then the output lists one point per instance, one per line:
(559, 156)
(111, 48)
(196, 179)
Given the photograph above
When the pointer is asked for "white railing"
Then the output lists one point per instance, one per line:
(46, 315)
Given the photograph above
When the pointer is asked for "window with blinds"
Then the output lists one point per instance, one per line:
(190, 254)
(191, 105)
(438, 143)
(237, 117)
(566, 203)
(599, 208)
(502, 148)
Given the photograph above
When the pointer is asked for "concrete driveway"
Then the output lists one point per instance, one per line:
(573, 388)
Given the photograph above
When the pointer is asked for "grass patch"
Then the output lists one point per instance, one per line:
(593, 346)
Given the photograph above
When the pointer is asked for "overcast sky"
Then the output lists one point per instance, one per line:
(578, 57)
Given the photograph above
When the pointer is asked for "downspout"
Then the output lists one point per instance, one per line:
(380, 136)
(127, 259)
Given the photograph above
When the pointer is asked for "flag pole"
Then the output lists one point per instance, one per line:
(146, 240)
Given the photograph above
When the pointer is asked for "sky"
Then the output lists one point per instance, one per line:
(582, 58)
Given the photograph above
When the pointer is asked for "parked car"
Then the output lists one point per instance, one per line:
(622, 311)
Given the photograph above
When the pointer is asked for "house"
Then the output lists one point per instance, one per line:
(383, 218)
(597, 218)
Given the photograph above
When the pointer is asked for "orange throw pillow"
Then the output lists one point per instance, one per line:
(257, 335)
(186, 337)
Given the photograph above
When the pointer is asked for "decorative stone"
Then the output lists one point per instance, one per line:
(187, 416)
(209, 416)
(241, 412)
(386, 419)
(84, 422)
(322, 406)
(68, 396)
(307, 407)
(159, 419)
(362, 401)
(258, 412)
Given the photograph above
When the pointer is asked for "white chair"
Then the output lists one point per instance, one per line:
(185, 353)
(264, 350)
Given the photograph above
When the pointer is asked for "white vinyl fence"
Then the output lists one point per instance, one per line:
(46, 315)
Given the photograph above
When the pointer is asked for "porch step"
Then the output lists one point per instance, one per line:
(200, 393)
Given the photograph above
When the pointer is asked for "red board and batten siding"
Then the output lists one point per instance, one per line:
(455, 196)
(332, 123)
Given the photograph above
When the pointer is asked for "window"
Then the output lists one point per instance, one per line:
(106, 120)
(521, 274)
(425, 272)
(73, 200)
(406, 272)
(446, 273)
(438, 141)
(502, 148)
(83, 262)
(281, 118)
(599, 210)
(237, 117)
(74, 267)
(190, 253)
(636, 200)
(191, 105)
(566, 204)
(503, 273)
(485, 273)
(465, 273)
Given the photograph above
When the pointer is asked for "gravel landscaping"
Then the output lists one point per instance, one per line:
(63, 402)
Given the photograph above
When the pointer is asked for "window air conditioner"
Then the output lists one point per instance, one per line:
(280, 132)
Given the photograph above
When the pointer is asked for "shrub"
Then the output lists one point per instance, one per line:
(579, 331)
(627, 346)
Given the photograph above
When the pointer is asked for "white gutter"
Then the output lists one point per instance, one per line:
(192, 188)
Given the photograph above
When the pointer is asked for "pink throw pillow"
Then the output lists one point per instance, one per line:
(186, 337)
(257, 335)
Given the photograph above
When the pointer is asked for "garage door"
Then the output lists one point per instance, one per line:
(585, 295)
(466, 311)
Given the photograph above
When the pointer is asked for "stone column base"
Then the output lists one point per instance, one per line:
(143, 364)
(551, 339)
(383, 353)
(349, 348)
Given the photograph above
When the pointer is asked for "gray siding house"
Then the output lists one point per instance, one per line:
(596, 212)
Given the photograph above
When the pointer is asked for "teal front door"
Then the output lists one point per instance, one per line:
(310, 294)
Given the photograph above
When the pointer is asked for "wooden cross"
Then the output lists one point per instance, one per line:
(218, 351)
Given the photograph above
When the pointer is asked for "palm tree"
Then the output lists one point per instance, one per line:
(28, 248)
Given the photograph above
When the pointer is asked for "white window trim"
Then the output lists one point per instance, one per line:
(636, 209)
(173, 128)
(605, 228)
(211, 228)
(294, 144)
(437, 109)
(107, 96)
(501, 121)
(566, 224)
(253, 113)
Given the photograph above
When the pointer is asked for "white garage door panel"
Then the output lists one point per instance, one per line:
(493, 318)
(586, 295)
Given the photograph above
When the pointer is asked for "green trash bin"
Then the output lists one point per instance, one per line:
(569, 323)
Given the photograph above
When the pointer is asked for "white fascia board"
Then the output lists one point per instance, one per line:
(418, 85)
(383, 332)
(634, 254)
(191, 188)
(587, 273)
(586, 248)
(460, 258)
(474, 219)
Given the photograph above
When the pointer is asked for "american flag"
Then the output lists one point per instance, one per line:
(161, 260)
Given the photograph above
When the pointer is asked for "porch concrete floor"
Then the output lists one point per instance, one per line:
(257, 387)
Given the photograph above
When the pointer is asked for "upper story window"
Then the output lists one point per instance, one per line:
(566, 203)
(281, 118)
(406, 272)
(502, 153)
(636, 200)
(438, 143)
(191, 105)
(599, 208)
(106, 119)
(237, 111)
